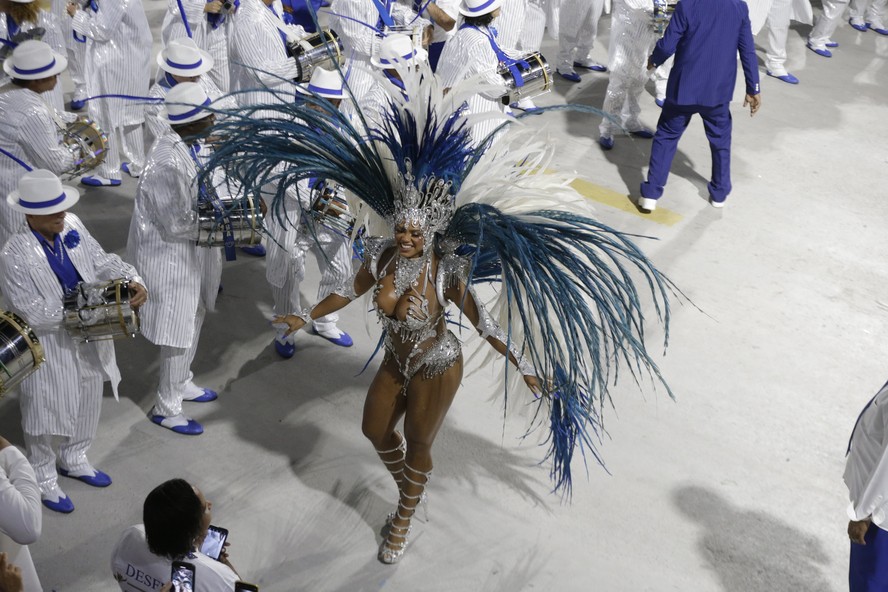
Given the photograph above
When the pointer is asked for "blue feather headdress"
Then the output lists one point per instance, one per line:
(571, 290)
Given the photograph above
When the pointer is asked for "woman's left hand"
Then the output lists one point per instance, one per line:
(533, 383)
(293, 323)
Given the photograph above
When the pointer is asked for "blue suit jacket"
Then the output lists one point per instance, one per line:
(705, 36)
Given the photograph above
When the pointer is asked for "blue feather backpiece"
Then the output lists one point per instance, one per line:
(571, 291)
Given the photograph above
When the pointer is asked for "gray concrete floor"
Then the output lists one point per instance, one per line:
(735, 486)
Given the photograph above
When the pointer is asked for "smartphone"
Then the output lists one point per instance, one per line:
(183, 576)
(245, 587)
(212, 545)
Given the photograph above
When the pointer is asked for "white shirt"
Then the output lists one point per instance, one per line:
(21, 513)
(137, 569)
(866, 468)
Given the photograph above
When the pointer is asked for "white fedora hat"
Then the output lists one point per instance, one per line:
(33, 60)
(185, 103)
(325, 83)
(478, 7)
(40, 192)
(397, 48)
(183, 57)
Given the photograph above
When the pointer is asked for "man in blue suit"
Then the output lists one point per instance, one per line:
(705, 36)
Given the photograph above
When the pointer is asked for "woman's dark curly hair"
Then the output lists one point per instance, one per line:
(172, 515)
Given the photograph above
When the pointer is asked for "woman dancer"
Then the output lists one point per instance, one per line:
(459, 217)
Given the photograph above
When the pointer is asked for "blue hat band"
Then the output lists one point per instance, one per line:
(409, 56)
(320, 89)
(42, 204)
(482, 7)
(193, 66)
(35, 70)
(188, 114)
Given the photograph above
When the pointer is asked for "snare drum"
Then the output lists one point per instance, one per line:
(229, 222)
(100, 310)
(321, 50)
(330, 209)
(87, 142)
(20, 352)
(527, 78)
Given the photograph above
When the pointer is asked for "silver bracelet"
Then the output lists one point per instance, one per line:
(347, 288)
(487, 327)
(305, 314)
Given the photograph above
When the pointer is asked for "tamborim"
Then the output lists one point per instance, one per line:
(20, 352)
(323, 49)
(229, 221)
(100, 310)
(330, 209)
(87, 142)
(526, 78)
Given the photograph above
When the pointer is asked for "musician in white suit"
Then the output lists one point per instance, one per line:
(577, 30)
(207, 23)
(259, 57)
(63, 398)
(520, 32)
(117, 61)
(293, 234)
(181, 61)
(776, 14)
(20, 16)
(162, 244)
(358, 23)
(29, 127)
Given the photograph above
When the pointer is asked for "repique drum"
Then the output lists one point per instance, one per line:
(527, 78)
(87, 142)
(20, 352)
(321, 50)
(229, 222)
(100, 310)
(330, 209)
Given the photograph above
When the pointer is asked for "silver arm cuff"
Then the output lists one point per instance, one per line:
(305, 315)
(487, 327)
(347, 288)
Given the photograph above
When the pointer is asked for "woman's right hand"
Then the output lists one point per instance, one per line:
(214, 7)
(293, 323)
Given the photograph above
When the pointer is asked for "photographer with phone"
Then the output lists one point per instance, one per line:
(177, 520)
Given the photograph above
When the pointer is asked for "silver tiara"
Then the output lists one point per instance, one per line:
(427, 204)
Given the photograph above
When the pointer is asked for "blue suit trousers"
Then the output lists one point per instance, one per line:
(674, 119)
(869, 563)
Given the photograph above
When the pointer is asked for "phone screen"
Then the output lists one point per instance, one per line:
(212, 545)
(183, 577)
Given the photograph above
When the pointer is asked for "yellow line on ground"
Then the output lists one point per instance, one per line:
(621, 202)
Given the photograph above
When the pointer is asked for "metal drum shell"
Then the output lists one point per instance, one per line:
(245, 226)
(537, 79)
(321, 50)
(329, 209)
(86, 141)
(20, 351)
(113, 318)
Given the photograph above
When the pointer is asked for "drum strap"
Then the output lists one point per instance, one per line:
(279, 25)
(12, 27)
(514, 66)
(385, 15)
(216, 20)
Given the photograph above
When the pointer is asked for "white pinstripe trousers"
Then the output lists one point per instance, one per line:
(72, 452)
(175, 372)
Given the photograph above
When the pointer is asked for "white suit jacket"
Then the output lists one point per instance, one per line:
(162, 245)
(21, 513)
(52, 394)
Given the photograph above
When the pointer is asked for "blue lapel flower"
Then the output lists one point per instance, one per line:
(72, 239)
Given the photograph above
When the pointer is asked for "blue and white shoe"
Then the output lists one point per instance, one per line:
(606, 142)
(59, 502)
(342, 339)
(643, 133)
(179, 424)
(204, 396)
(831, 43)
(99, 181)
(788, 78)
(821, 52)
(862, 28)
(131, 170)
(878, 30)
(96, 479)
(255, 251)
(571, 75)
(591, 65)
(284, 349)
(77, 104)
(660, 102)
